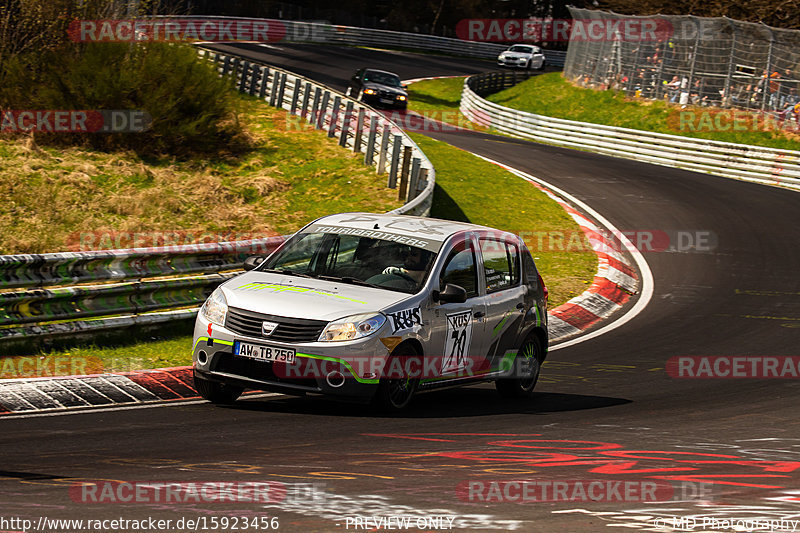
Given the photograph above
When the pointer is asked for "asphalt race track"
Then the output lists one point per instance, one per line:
(606, 409)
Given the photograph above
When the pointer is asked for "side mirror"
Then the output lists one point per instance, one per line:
(450, 294)
(253, 261)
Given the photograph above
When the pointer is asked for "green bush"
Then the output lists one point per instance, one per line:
(192, 108)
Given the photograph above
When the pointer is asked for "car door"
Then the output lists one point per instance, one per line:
(457, 340)
(505, 295)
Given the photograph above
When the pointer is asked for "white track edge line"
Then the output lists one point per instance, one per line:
(648, 285)
(94, 409)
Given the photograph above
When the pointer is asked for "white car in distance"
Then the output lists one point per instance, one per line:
(522, 56)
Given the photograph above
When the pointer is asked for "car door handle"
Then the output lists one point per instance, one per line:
(480, 314)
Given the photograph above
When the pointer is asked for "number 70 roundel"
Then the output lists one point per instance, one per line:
(459, 334)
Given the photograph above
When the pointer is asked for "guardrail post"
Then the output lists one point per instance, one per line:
(235, 69)
(398, 144)
(226, 66)
(320, 120)
(315, 106)
(262, 90)
(414, 180)
(422, 182)
(295, 96)
(373, 128)
(402, 191)
(273, 94)
(348, 116)
(255, 74)
(306, 96)
(337, 102)
(243, 79)
(281, 90)
(358, 132)
(381, 168)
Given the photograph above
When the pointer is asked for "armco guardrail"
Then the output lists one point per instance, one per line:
(61, 294)
(131, 287)
(322, 32)
(741, 161)
(357, 126)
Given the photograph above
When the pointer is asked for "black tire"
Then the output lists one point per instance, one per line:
(542, 65)
(394, 394)
(528, 65)
(216, 392)
(522, 387)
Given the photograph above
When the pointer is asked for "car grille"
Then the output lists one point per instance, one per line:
(289, 329)
(386, 94)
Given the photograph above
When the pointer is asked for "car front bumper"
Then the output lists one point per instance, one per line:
(346, 369)
(377, 101)
(512, 62)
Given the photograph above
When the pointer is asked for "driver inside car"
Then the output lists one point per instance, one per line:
(415, 265)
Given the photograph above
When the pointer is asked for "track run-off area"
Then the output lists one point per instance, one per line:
(609, 410)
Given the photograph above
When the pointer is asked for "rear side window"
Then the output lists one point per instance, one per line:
(459, 269)
(500, 264)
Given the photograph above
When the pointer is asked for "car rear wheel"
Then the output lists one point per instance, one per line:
(216, 392)
(526, 371)
(395, 392)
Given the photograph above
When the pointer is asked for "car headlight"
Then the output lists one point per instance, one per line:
(352, 327)
(369, 91)
(215, 308)
(502, 56)
(401, 97)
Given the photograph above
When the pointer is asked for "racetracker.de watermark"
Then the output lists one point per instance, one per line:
(120, 240)
(177, 30)
(40, 366)
(74, 121)
(733, 367)
(584, 490)
(425, 121)
(189, 492)
(623, 29)
(732, 120)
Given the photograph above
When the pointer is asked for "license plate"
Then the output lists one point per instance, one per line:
(386, 101)
(263, 352)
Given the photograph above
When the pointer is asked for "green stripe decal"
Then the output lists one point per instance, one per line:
(499, 326)
(508, 361)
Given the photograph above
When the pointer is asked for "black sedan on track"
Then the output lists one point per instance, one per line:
(378, 88)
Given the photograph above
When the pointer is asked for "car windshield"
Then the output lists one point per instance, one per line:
(355, 260)
(521, 49)
(383, 78)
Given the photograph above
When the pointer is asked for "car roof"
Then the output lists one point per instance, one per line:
(434, 228)
(381, 71)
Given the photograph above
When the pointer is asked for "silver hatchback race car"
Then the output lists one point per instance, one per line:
(376, 308)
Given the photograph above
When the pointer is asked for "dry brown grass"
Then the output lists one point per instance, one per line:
(69, 198)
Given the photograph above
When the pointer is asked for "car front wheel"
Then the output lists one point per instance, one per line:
(525, 373)
(395, 392)
(216, 392)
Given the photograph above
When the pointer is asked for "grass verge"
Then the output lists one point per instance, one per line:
(472, 190)
(553, 96)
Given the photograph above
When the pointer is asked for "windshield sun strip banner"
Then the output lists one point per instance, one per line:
(418, 242)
